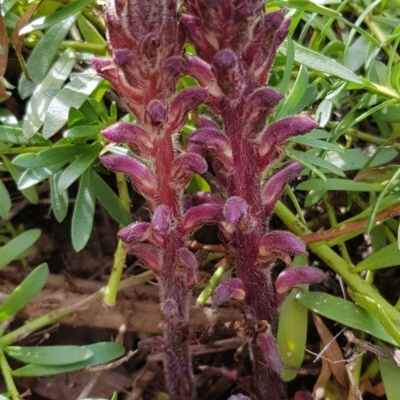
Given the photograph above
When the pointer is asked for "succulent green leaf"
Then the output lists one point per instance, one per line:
(42, 56)
(344, 312)
(339, 184)
(76, 169)
(5, 201)
(39, 102)
(82, 219)
(17, 246)
(102, 353)
(49, 355)
(25, 292)
(111, 202)
(73, 94)
(59, 199)
(52, 19)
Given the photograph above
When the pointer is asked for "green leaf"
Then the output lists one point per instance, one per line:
(83, 131)
(376, 309)
(49, 355)
(102, 353)
(324, 112)
(389, 256)
(25, 292)
(344, 312)
(339, 184)
(292, 335)
(76, 169)
(42, 56)
(59, 200)
(49, 157)
(390, 377)
(33, 176)
(198, 184)
(316, 143)
(312, 159)
(355, 159)
(111, 202)
(52, 19)
(30, 193)
(17, 246)
(11, 135)
(296, 94)
(73, 94)
(82, 219)
(5, 201)
(39, 102)
(90, 33)
(319, 62)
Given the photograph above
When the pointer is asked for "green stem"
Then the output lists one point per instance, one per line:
(333, 221)
(8, 378)
(21, 149)
(56, 315)
(96, 49)
(35, 325)
(370, 138)
(211, 285)
(110, 293)
(337, 264)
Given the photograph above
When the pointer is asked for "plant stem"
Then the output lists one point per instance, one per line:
(111, 291)
(174, 290)
(245, 183)
(334, 261)
(8, 378)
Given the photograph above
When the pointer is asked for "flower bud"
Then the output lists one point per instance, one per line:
(273, 188)
(281, 242)
(148, 256)
(267, 344)
(136, 232)
(141, 177)
(230, 289)
(235, 210)
(183, 168)
(200, 215)
(292, 277)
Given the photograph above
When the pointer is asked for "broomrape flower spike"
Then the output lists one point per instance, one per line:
(235, 43)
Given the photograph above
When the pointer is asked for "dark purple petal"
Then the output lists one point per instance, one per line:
(148, 256)
(282, 242)
(206, 198)
(201, 71)
(267, 344)
(183, 103)
(216, 142)
(278, 132)
(188, 263)
(235, 210)
(139, 174)
(206, 122)
(225, 69)
(183, 168)
(292, 277)
(136, 232)
(200, 215)
(273, 188)
(161, 220)
(265, 98)
(133, 135)
(196, 34)
(230, 289)
(156, 111)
